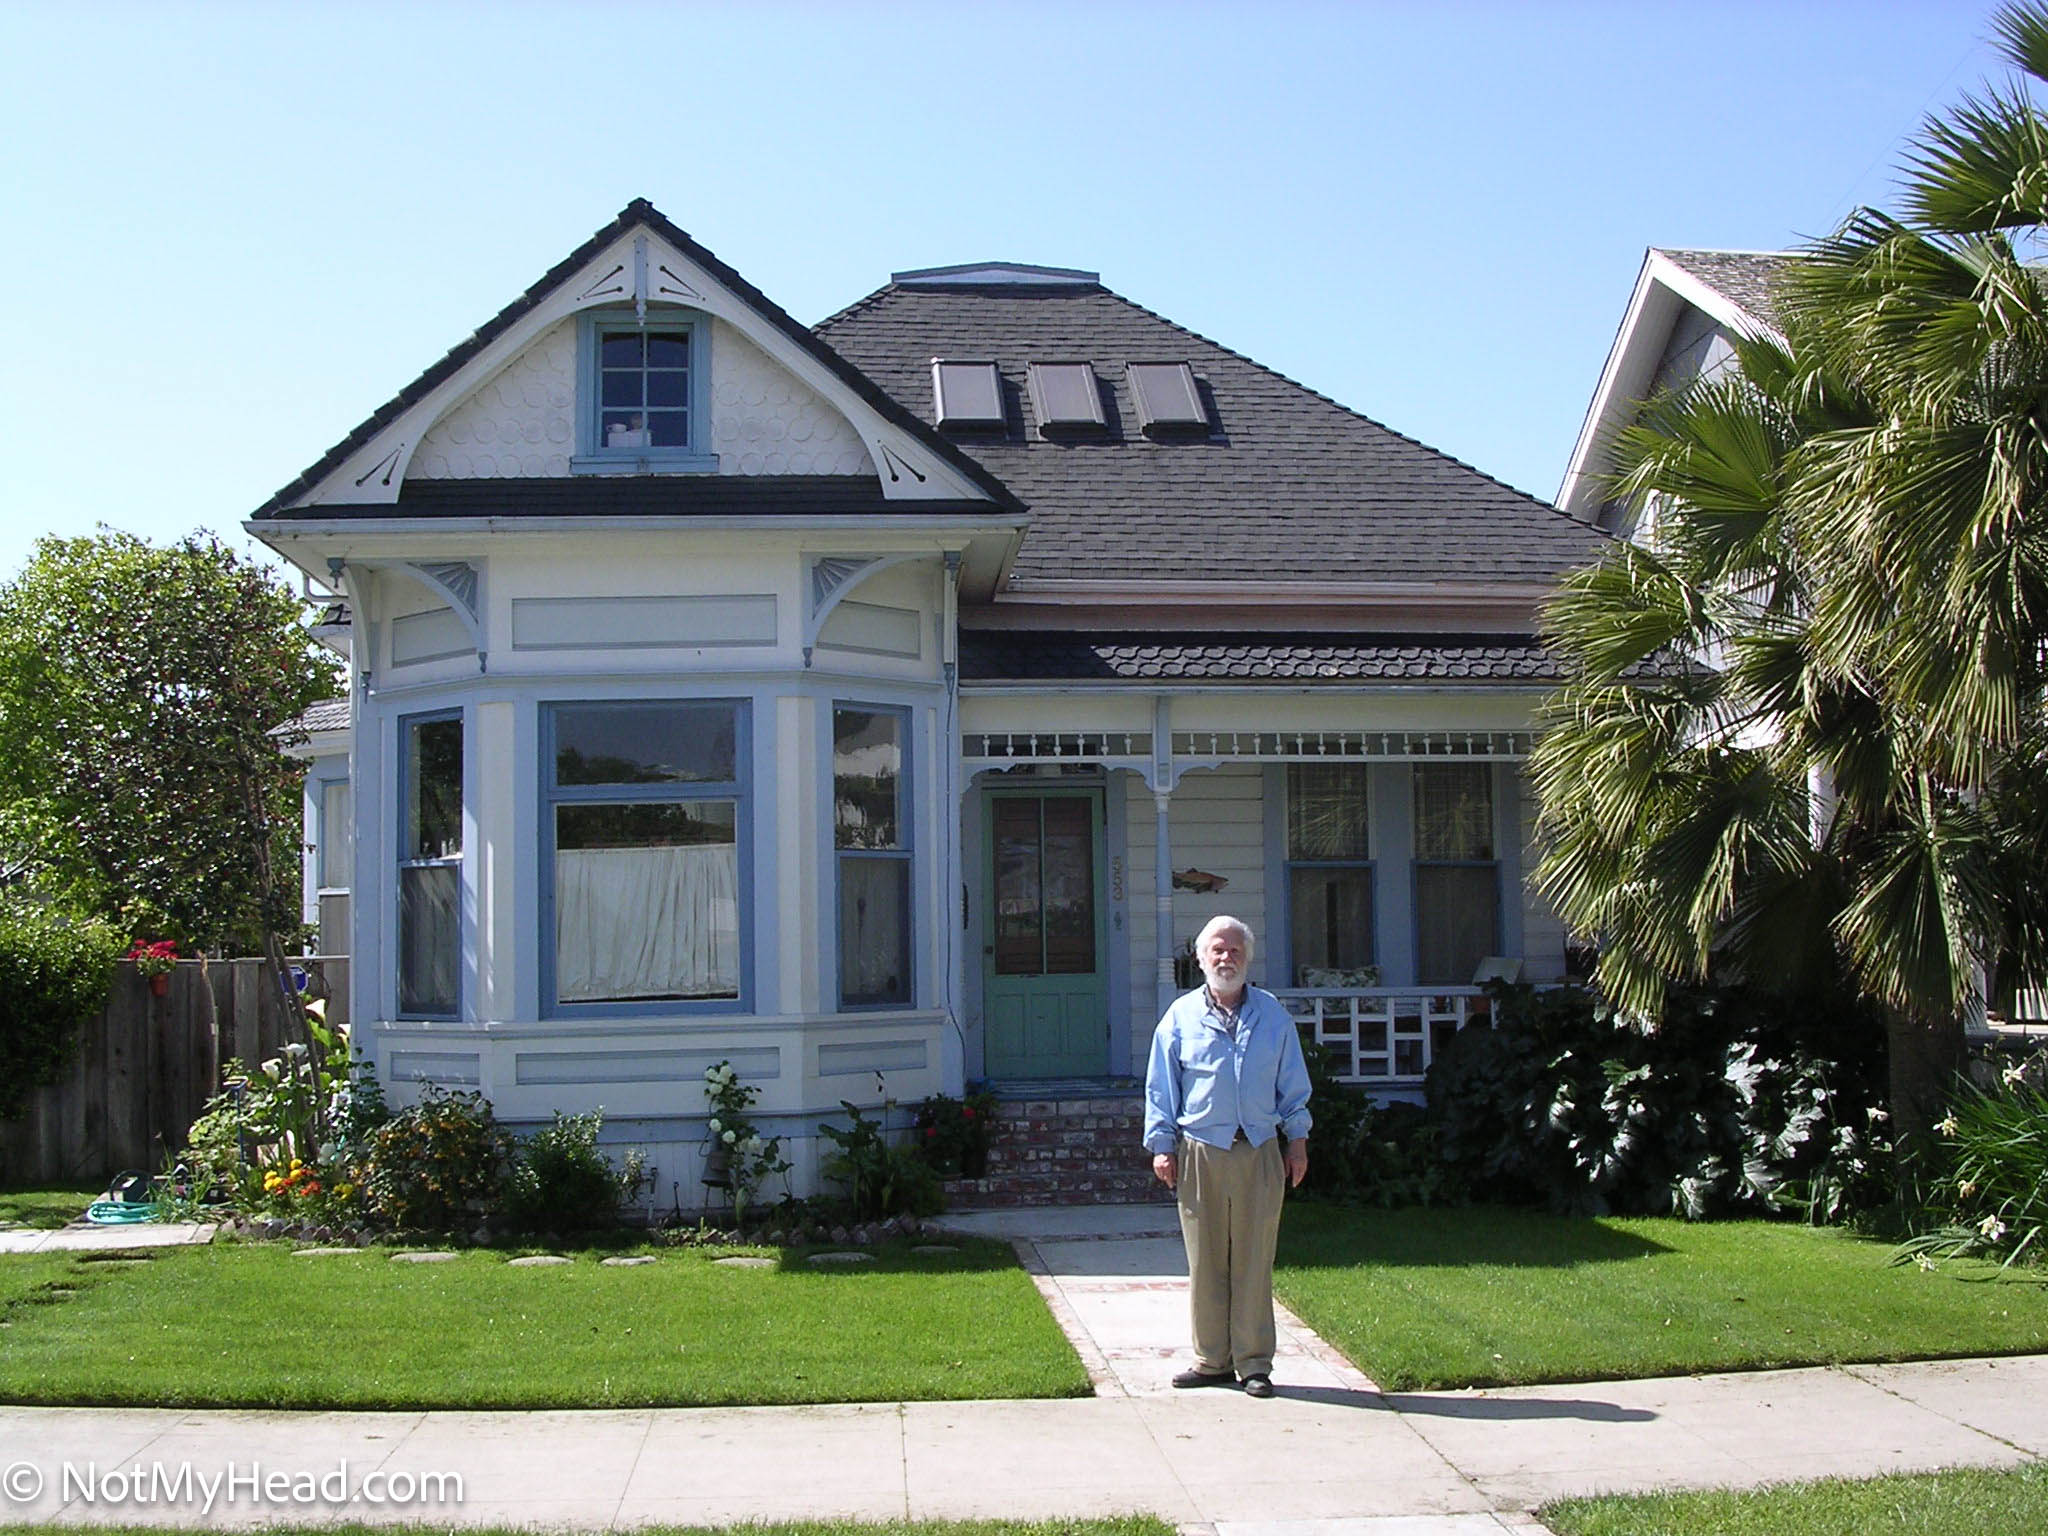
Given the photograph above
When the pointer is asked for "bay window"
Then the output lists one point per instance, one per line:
(871, 841)
(430, 865)
(645, 810)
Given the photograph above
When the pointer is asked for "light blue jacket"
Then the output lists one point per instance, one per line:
(1202, 1083)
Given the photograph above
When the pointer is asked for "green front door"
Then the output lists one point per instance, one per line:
(1044, 962)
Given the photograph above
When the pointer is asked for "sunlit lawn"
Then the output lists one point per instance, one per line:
(1962, 1502)
(251, 1325)
(43, 1206)
(1487, 1296)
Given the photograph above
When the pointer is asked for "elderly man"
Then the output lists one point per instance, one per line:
(1225, 1084)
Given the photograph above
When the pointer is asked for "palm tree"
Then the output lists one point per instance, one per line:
(1806, 728)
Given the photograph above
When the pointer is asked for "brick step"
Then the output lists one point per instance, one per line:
(1070, 1150)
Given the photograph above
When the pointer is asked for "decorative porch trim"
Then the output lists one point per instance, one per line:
(1134, 749)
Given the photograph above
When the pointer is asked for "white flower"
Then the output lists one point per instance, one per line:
(1923, 1261)
(1947, 1125)
(730, 1137)
(273, 1068)
(715, 1125)
(1878, 1116)
(295, 1050)
(1992, 1228)
(2015, 1076)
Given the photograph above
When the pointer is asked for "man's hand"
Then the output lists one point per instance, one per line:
(1166, 1168)
(1297, 1160)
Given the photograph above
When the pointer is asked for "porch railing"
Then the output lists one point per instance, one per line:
(1385, 1037)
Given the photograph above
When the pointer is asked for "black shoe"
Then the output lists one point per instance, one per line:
(1260, 1385)
(1205, 1379)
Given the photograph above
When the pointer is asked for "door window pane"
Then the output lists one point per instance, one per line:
(1019, 927)
(874, 931)
(1069, 884)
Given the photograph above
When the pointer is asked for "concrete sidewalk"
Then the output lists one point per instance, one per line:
(1330, 1456)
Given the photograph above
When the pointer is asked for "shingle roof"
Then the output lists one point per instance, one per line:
(635, 214)
(1289, 486)
(640, 495)
(1069, 656)
(1747, 278)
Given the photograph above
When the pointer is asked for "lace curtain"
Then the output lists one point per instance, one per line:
(647, 922)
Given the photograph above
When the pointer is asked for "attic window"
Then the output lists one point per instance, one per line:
(967, 394)
(1065, 395)
(1167, 400)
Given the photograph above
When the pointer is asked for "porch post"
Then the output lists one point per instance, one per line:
(1162, 861)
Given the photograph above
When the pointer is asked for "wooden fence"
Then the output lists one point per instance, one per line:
(146, 1065)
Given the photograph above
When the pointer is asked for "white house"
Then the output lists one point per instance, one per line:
(884, 704)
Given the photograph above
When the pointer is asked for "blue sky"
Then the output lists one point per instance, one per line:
(229, 232)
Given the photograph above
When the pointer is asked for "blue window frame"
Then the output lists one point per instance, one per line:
(644, 401)
(430, 866)
(1457, 872)
(871, 837)
(1330, 921)
(645, 849)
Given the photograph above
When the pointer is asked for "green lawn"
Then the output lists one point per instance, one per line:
(251, 1326)
(45, 1207)
(1486, 1297)
(1964, 1502)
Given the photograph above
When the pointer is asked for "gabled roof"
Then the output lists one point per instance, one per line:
(1735, 290)
(637, 214)
(1288, 486)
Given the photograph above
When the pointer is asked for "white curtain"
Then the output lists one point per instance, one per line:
(647, 922)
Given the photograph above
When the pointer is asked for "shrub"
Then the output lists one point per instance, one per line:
(738, 1158)
(1738, 1101)
(1371, 1154)
(560, 1182)
(879, 1180)
(54, 976)
(437, 1164)
(952, 1135)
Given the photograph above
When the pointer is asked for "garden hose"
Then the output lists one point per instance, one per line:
(116, 1213)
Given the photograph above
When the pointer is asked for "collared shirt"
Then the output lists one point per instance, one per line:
(1208, 1082)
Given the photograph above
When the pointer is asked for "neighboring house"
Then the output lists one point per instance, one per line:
(1686, 308)
(887, 704)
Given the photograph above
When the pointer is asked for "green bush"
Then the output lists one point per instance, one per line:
(952, 1135)
(436, 1165)
(1737, 1102)
(560, 1182)
(1371, 1154)
(54, 976)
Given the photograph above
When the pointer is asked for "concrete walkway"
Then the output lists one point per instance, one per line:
(1330, 1456)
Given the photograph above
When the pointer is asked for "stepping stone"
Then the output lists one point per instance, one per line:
(935, 1248)
(319, 1253)
(846, 1256)
(537, 1260)
(745, 1261)
(436, 1257)
(643, 1258)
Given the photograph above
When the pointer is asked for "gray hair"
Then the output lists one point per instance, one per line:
(1222, 923)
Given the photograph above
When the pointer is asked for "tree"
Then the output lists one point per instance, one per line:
(1814, 710)
(140, 779)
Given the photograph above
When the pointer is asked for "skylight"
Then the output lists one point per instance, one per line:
(1167, 399)
(967, 394)
(1065, 395)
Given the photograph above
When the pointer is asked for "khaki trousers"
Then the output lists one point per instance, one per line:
(1230, 1220)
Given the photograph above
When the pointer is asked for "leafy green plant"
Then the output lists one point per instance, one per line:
(560, 1182)
(436, 1164)
(1991, 1193)
(879, 1179)
(54, 975)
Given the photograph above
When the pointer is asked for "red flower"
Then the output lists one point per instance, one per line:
(930, 1131)
(967, 1112)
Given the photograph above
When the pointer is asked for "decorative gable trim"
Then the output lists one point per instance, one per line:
(641, 259)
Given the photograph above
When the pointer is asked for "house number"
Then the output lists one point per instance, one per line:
(1116, 879)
